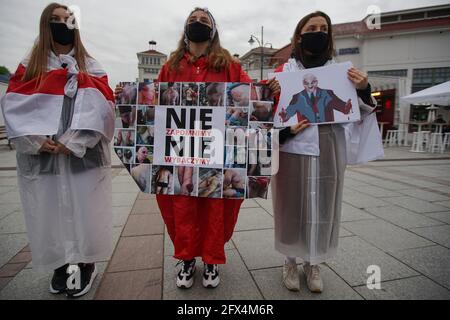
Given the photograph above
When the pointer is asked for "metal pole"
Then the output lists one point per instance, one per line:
(262, 51)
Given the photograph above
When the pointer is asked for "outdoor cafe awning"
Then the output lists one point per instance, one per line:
(439, 95)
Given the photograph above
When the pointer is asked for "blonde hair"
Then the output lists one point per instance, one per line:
(37, 65)
(218, 57)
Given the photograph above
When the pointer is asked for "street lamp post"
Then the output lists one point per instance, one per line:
(261, 45)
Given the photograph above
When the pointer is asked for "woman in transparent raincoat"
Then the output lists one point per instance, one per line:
(307, 190)
(59, 114)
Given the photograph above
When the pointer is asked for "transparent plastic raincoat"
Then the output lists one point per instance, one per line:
(66, 200)
(308, 188)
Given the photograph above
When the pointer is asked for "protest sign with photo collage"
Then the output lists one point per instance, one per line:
(211, 140)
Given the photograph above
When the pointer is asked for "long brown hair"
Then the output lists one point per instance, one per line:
(298, 54)
(218, 57)
(37, 65)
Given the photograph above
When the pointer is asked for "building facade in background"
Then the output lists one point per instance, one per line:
(251, 62)
(409, 52)
(150, 63)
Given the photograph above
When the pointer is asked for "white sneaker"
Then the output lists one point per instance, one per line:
(185, 277)
(313, 278)
(211, 277)
(291, 279)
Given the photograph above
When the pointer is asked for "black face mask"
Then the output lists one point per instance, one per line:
(62, 34)
(315, 42)
(198, 32)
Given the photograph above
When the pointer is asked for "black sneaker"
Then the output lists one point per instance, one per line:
(211, 277)
(88, 272)
(58, 283)
(185, 277)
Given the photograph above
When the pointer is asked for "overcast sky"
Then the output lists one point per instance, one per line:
(114, 30)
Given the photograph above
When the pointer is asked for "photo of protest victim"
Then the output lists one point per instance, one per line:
(148, 93)
(235, 157)
(145, 115)
(236, 117)
(189, 94)
(261, 111)
(144, 154)
(162, 180)
(145, 135)
(260, 92)
(238, 94)
(234, 183)
(210, 183)
(212, 94)
(185, 181)
(126, 155)
(257, 187)
(141, 174)
(124, 137)
(125, 117)
(259, 163)
(169, 93)
(128, 94)
(260, 135)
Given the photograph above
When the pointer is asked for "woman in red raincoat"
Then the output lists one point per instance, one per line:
(200, 227)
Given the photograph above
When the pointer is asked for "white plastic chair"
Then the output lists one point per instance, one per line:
(445, 142)
(393, 138)
(415, 145)
(426, 139)
(419, 139)
(435, 143)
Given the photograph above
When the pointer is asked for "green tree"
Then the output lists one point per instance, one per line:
(4, 70)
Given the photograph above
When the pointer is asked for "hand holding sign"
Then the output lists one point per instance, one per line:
(360, 79)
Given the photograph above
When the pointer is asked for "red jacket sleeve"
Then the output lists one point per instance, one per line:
(237, 74)
(162, 76)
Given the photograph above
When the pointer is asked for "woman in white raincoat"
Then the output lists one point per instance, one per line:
(307, 190)
(59, 114)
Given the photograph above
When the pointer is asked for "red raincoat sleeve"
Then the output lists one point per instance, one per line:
(163, 73)
(237, 74)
